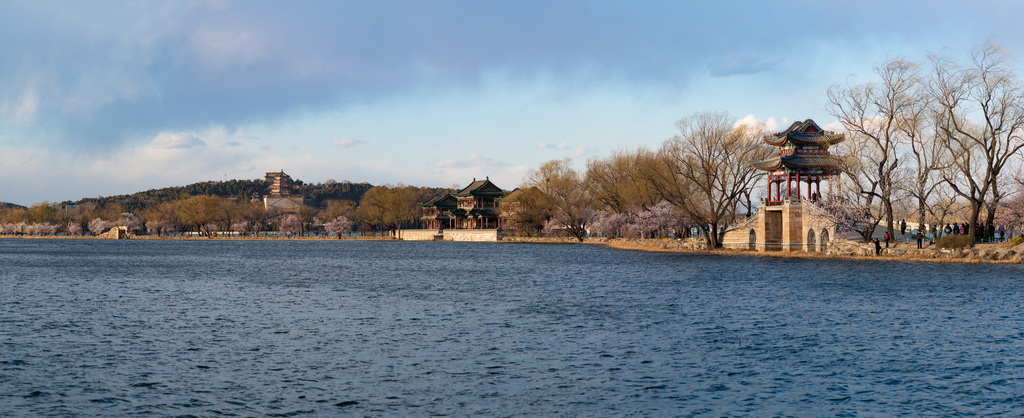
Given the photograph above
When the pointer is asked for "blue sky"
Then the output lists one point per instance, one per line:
(104, 98)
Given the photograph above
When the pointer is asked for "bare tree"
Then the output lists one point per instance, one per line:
(880, 117)
(389, 207)
(527, 208)
(614, 184)
(706, 169)
(980, 114)
(570, 199)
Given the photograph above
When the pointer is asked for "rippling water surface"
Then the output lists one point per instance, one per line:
(273, 328)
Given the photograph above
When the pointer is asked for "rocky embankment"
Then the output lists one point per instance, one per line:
(982, 253)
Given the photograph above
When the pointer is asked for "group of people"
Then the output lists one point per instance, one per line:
(993, 233)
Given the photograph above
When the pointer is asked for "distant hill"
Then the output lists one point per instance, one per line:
(8, 206)
(242, 189)
(344, 190)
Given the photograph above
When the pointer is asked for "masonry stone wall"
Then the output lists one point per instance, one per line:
(465, 235)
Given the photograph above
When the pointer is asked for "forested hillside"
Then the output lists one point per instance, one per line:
(242, 189)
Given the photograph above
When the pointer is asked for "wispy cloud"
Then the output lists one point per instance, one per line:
(23, 109)
(583, 150)
(177, 140)
(741, 64)
(560, 145)
(345, 142)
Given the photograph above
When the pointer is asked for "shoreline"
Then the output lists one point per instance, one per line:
(953, 256)
(984, 253)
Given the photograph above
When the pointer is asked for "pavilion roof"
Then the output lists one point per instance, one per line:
(439, 201)
(804, 133)
(802, 162)
(480, 187)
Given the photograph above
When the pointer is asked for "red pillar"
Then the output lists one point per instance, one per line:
(797, 186)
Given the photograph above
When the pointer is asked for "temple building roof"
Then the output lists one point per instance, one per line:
(804, 133)
(803, 147)
(480, 187)
(801, 162)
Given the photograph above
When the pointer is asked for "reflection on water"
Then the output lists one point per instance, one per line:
(391, 328)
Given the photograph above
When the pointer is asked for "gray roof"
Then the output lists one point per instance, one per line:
(802, 161)
(796, 133)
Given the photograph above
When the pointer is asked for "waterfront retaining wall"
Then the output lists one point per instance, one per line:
(465, 235)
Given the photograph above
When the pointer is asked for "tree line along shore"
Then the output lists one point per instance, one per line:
(933, 143)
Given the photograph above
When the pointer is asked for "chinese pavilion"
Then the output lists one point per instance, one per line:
(779, 224)
(473, 207)
(803, 158)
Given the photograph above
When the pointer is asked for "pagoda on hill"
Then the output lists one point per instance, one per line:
(803, 158)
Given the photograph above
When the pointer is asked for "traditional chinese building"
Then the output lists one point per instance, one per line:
(281, 195)
(473, 207)
(803, 159)
(280, 183)
(803, 162)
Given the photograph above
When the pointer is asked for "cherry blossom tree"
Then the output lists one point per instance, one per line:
(74, 229)
(153, 227)
(243, 228)
(615, 222)
(551, 228)
(130, 221)
(843, 215)
(98, 225)
(291, 225)
(167, 228)
(338, 226)
(630, 230)
(209, 230)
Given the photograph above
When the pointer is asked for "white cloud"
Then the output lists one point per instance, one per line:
(345, 142)
(560, 145)
(23, 109)
(176, 140)
(772, 124)
(583, 150)
(834, 126)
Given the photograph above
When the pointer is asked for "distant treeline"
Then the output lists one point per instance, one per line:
(7, 206)
(230, 206)
(320, 193)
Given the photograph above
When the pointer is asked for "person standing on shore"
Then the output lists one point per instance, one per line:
(886, 239)
(903, 227)
(878, 247)
(920, 238)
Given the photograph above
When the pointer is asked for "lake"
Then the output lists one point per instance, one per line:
(371, 328)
